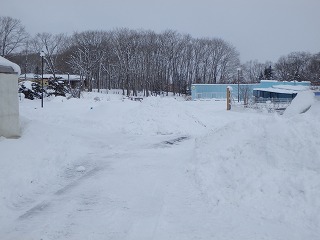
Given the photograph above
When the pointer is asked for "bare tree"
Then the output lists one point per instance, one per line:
(313, 69)
(52, 46)
(252, 71)
(293, 67)
(126, 46)
(88, 55)
(12, 35)
(136, 60)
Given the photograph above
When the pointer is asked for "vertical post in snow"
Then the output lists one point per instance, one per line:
(228, 99)
(42, 81)
(238, 70)
(42, 54)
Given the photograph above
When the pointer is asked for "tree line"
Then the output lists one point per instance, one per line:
(296, 66)
(141, 60)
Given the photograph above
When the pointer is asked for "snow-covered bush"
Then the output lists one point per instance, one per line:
(57, 88)
(31, 90)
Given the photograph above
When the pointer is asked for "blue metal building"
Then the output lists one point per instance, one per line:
(219, 91)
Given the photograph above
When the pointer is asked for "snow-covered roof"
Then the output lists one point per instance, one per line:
(287, 89)
(63, 77)
(275, 81)
(269, 81)
(5, 63)
(28, 76)
(275, 90)
(292, 87)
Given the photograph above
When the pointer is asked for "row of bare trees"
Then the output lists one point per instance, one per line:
(132, 60)
(146, 61)
(12, 35)
(138, 60)
(299, 66)
(296, 66)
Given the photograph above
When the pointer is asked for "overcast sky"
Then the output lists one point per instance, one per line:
(261, 30)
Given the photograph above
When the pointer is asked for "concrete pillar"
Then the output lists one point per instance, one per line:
(9, 105)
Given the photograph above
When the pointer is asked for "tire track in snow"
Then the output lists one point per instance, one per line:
(74, 184)
(35, 210)
(46, 204)
(172, 142)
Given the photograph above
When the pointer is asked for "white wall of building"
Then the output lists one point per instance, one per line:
(9, 106)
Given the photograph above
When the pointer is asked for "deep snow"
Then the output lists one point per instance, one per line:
(163, 168)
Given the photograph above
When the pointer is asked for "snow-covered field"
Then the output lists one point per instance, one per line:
(162, 168)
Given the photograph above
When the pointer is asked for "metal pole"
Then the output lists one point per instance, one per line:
(238, 85)
(69, 84)
(42, 81)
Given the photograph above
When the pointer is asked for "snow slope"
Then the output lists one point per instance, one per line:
(163, 168)
(301, 103)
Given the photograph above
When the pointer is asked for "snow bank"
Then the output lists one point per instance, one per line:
(262, 174)
(315, 109)
(237, 175)
(300, 104)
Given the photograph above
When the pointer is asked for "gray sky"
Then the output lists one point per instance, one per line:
(262, 30)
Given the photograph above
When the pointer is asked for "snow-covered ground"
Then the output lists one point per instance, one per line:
(162, 168)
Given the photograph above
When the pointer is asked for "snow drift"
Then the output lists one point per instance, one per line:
(301, 103)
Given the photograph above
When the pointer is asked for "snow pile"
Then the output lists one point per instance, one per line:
(142, 118)
(31, 90)
(27, 84)
(263, 175)
(300, 104)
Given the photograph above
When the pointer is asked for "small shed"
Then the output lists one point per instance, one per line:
(9, 103)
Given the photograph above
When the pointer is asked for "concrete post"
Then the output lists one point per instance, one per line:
(9, 101)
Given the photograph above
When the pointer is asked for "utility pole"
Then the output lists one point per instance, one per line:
(42, 55)
(238, 69)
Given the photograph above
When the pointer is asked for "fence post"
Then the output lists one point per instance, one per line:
(228, 99)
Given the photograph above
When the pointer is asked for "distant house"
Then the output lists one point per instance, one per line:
(67, 78)
(33, 78)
